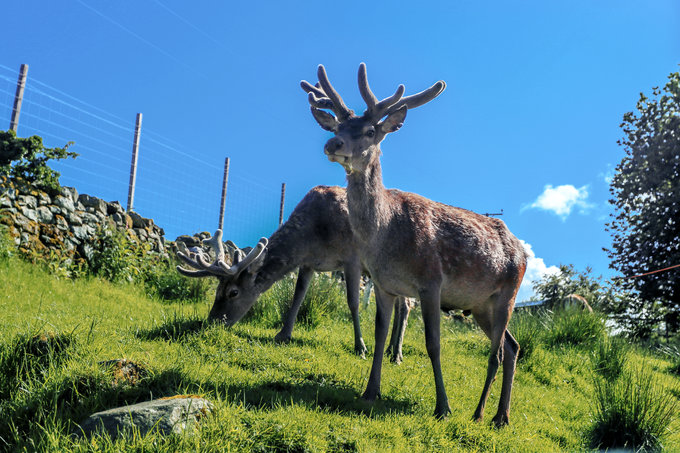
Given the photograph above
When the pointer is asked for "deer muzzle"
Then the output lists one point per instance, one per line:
(334, 149)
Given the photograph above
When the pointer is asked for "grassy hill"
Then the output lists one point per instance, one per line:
(304, 396)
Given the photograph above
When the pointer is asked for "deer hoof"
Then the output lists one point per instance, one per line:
(360, 350)
(282, 338)
(441, 413)
(500, 420)
(370, 396)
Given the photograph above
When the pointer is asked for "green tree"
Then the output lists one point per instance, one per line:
(554, 288)
(645, 225)
(26, 159)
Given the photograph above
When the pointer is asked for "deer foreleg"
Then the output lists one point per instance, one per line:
(384, 303)
(510, 351)
(429, 304)
(401, 312)
(305, 275)
(352, 280)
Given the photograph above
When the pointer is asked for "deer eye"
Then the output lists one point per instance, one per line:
(233, 293)
(370, 132)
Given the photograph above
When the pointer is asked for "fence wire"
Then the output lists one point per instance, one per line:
(166, 188)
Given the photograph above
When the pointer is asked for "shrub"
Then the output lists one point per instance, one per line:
(528, 329)
(574, 326)
(26, 159)
(609, 357)
(116, 257)
(632, 412)
(6, 245)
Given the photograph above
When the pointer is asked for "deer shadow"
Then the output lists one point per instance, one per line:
(174, 330)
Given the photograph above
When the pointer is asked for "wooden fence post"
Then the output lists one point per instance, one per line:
(133, 165)
(220, 222)
(283, 199)
(18, 98)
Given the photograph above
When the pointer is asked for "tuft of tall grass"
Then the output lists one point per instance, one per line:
(164, 282)
(576, 327)
(610, 357)
(528, 329)
(325, 297)
(632, 412)
(673, 354)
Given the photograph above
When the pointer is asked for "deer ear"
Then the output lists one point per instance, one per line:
(325, 119)
(393, 121)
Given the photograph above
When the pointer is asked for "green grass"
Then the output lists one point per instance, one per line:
(303, 396)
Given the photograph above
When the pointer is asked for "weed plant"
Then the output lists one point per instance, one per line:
(632, 412)
(164, 282)
(6, 245)
(574, 327)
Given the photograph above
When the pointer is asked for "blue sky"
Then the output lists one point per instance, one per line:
(528, 123)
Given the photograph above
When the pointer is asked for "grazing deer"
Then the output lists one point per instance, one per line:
(316, 237)
(447, 257)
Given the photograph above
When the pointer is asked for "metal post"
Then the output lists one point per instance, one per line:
(220, 222)
(133, 165)
(18, 98)
(283, 199)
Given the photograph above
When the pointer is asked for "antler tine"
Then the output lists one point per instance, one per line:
(340, 108)
(418, 99)
(320, 103)
(365, 89)
(376, 109)
(252, 256)
(216, 244)
(185, 255)
(309, 88)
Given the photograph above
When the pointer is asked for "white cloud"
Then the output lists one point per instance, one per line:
(536, 269)
(562, 200)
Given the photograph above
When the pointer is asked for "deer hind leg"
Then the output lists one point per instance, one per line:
(510, 351)
(401, 312)
(352, 279)
(384, 304)
(305, 275)
(493, 320)
(430, 307)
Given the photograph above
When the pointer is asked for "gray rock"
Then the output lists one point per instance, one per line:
(189, 241)
(28, 201)
(138, 221)
(114, 207)
(83, 232)
(29, 213)
(5, 202)
(93, 202)
(71, 193)
(171, 415)
(74, 218)
(44, 199)
(44, 215)
(65, 203)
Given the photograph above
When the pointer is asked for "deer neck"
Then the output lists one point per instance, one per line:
(284, 253)
(367, 200)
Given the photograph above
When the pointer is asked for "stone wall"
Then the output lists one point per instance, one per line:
(67, 222)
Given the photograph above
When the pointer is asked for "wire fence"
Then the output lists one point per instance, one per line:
(166, 188)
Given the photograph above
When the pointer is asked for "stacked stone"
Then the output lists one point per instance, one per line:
(67, 222)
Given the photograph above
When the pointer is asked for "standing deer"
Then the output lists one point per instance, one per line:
(316, 237)
(449, 258)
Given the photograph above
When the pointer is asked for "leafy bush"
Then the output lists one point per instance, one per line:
(528, 329)
(116, 257)
(574, 326)
(610, 356)
(6, 245)
(632, 412)
(26, 159)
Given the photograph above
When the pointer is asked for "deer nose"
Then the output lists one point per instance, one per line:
(333, 145)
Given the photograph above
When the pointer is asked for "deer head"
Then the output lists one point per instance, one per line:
(357, 138)
(236, 291)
